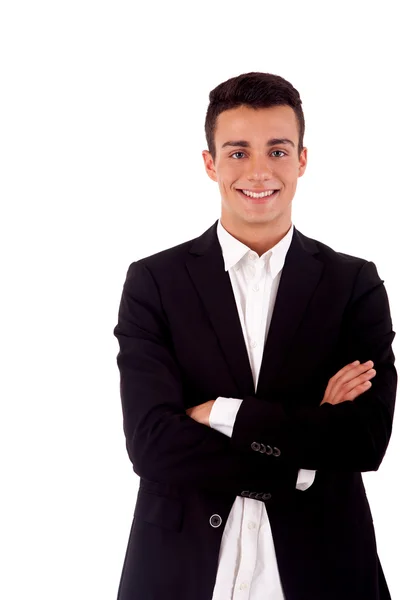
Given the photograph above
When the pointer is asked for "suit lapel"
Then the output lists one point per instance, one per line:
(205, 264)
(300, 276)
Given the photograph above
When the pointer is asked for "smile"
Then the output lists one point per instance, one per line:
(262, 197)
(258, 195)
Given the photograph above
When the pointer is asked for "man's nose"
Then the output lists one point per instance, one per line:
(259, 169)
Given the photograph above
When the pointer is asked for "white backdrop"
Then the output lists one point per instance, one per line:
(102, 127)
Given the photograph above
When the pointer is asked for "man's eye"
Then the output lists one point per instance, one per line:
(239, 152)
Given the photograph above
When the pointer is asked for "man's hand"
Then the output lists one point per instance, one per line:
(349, 382)
(201, 413)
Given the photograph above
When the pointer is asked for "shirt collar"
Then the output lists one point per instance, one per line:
(233, 250)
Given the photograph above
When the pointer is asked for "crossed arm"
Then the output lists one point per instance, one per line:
(167, 444)
(346, 385)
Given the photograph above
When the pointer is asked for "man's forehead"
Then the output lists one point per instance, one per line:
(239, 123)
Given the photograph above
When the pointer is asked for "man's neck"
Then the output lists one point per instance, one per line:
(259, 238)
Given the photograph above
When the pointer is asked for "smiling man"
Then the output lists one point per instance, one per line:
(257, 384)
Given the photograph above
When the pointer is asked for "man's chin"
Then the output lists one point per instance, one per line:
(254, 217)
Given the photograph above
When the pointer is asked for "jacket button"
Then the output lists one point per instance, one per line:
(245, 493)
(268, 450)
(255, 446)
(263, 449)
(277, 452)
(266, 497)
(215, 521)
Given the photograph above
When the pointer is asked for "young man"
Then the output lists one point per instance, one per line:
(246, 416)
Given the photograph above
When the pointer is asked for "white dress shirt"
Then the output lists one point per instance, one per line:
(247, 566)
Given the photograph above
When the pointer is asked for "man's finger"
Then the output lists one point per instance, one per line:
(356, 371)
(351, 371)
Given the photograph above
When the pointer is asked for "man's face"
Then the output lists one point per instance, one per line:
(247, 159)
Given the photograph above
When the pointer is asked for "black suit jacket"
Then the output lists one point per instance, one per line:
(181, 344)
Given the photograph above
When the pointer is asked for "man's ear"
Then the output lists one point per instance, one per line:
(209, 165)
(302, 161)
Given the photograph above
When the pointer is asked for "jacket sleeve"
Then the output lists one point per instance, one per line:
(164, 444)
(352, 435)
(222, 418)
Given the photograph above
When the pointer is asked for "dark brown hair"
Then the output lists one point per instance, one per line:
(256, 90)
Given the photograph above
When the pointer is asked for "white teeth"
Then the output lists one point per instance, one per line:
(254, 195)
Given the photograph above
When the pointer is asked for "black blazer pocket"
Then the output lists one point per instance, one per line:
(159, 510)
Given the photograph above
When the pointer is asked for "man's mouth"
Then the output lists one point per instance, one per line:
(258, 197)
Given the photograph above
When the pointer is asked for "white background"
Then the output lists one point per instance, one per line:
(102, 127)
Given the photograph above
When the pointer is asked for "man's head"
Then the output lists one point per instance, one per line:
(246, 117)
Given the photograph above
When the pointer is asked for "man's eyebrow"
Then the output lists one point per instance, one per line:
(271, 142)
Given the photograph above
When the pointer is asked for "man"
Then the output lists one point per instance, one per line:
(246, 415)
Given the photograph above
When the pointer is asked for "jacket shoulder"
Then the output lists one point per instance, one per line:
(165, 259)
(329, 254)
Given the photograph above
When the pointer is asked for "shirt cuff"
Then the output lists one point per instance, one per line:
(305, 479)
(223, 414)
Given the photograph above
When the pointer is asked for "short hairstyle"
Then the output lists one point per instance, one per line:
(255, 90)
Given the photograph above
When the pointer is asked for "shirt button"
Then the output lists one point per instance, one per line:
(252, 257)
(256, 287)
(243, 586)
(251, 524)
(253, 344)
